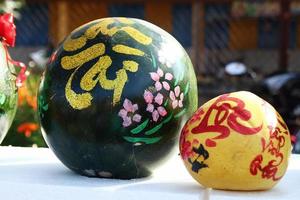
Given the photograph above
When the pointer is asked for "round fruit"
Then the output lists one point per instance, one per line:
(236, 141)
(8, 93)
(114, 96)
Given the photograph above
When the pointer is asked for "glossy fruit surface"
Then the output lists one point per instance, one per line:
(8, 93)
(114, 97)
(236, 141)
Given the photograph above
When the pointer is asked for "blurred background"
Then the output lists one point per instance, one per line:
(233, 44)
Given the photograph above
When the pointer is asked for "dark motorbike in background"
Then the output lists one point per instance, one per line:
(281, 89)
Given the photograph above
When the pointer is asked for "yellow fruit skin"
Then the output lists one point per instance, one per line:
(236, 141)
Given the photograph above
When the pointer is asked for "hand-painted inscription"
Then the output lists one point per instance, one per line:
(269, 170)
(97, 73)
(228, 113)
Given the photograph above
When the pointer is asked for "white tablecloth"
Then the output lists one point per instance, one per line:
(35, 173)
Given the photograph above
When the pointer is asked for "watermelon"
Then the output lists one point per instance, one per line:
(114, 96)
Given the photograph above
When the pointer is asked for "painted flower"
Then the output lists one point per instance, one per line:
(128, 113)
(176, 98)
(152, 101)
(156, 76)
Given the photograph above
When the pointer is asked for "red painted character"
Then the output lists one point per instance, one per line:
(276, 142)
(226, 112)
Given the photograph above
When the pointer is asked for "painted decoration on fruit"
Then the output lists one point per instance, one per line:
(156, 107)
(8, 93)
(273, 148)
(121, 87)
(236, 141)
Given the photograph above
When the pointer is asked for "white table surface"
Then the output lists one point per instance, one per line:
(35, 173)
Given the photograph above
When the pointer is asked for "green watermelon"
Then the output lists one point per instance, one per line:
(8, 93)
(114, 97)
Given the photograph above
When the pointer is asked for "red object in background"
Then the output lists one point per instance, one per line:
(27, 128)
(293, 139)
(7, 29)
(8, 38)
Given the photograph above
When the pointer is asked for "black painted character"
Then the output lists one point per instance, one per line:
(196, 164)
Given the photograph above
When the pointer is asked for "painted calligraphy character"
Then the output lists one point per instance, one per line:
(228, 110)
(196, 164)
(277, 141)
(97, 73)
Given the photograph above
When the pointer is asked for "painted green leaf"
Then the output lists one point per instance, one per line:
(180, 113)
(139, 128)
(144, 140)
(153, 61)
(45, 107)
(2, 99)
(181, 76)
(166, 103)
(153, 130)
(176, 82)
(186, 88)
(168, 119)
